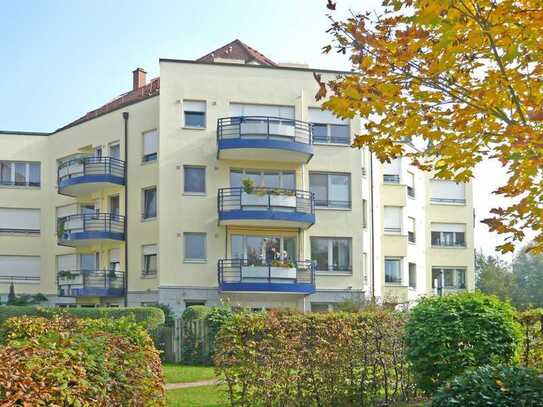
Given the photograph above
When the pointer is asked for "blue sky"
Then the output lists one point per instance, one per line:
(61, 58)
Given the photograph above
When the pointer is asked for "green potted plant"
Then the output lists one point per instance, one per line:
(248, 185)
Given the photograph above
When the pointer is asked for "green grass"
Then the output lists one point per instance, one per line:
(174, 373)
(204, 396)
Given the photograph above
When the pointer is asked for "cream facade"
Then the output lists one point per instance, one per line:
(149, 201)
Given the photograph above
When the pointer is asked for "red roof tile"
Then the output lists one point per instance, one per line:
(239, 51)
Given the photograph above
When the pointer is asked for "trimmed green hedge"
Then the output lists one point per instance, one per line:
(149, 316)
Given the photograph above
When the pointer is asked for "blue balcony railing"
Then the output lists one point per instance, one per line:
(243, 275)
(74, 229)
(266, 133)
(271, 204)
(89, 170)
(90, 283)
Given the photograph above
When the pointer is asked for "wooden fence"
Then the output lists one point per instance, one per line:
(185, 342)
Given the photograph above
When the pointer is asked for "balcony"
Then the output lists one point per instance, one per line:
(258, 206)
(90, 229)
(90, 283)
(238, 275)
(88, 175)
(262, 138)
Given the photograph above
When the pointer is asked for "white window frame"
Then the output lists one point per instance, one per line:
(144, 219)
(151, 157)
(400, 263)
(412, 284)
(148, 273)
(329, 206)
(331, 240)
(327, 119)
(445, 201)
(456, 279)
(201, 167)
(191, 260)
(27, 164)
(460, 228)
(185, 109)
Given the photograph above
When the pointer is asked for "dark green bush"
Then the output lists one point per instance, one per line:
(506, 386)
(65, 361)
(332, 359)
(195, 312)
(531, 352)
(149, 316)
(447, 335)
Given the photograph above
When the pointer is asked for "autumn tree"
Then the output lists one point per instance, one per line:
(463, 77)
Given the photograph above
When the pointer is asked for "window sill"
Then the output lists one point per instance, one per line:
(334, 273)
(147, 276)
(193, 128)
(149, 162)
(195, 193)
(195, 261)
(149, 219)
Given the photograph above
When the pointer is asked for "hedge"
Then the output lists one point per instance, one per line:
(149, 316)
(334, 359)
(64, 361)
(447, 335)
(531, 352)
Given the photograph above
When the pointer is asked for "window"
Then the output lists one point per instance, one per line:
(98, 152)
(20, 268)
(25, 174)
(150, 260)
(393, 271)
(447, 192)
(89, 261)
(392, 171)
(263, 250)
(449, 234)
(115, 151)
(410, 184)
(331, 254)
(268, 178)
(194, 113)
(412, 275)
(243, 109)
(364, 213)
(195, 247)
(149, 203)
(194, 180)
(329, 129)
(150, 146)
(16, 220)
(331, 190)
(114, 205)
(392, 219)
(449, 277)
(411, 234)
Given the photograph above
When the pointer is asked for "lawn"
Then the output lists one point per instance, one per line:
(174, 373)
(204, 396)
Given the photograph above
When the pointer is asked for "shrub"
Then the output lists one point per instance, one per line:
(195, 312)
(334, 359)
(149, 316)
(447, 335)
(77, 362)
(531, 353)
(506, 386)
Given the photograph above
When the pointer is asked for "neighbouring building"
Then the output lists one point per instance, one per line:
(223, 180)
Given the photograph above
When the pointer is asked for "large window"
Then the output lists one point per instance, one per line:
(392, 219)
(393, 271)
(150, 146)
(25, 174)
(194, 180)
(449, 277)
(194, 113)
(149, 203)
(331, 254)
(329, 129)
(449, 234)
(262, 250)
(195, 247)
(16, 220)
(331, 190)
(20, 268)
(412, 275)
(268, 178)
(150, 260)
(447, 192)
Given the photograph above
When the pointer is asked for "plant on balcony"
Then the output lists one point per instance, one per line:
(283, 263)
(282, 192)
(248, 185)
(66, 275)
(60, 228)
(112, 275)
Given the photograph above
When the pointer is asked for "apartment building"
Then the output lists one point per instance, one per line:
(223, 180)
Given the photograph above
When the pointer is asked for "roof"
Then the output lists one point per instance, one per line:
(237, 50)
(24, 133)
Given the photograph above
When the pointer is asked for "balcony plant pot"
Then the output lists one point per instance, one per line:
(283, 200)
(251, 199)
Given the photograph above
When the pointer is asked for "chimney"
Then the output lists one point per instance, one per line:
(139, 78)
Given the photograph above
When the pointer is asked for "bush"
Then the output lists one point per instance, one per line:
(447, 335)
(492, 386)
(333, 359)
(195, 312)
(531, 353)
(76, 362)
(149, 316)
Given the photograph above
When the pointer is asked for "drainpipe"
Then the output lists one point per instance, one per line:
(372, 234)
(125, 117)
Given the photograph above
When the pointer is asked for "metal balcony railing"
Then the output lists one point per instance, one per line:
(262, 198)
(83, 166)
(391, 178)
(245, 271)
(264, 127)
(90, 222)
(80, 283)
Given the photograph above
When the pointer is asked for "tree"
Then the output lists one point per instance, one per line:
(493, 276)
(528, 274)
(463, 77)
(11, 295)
